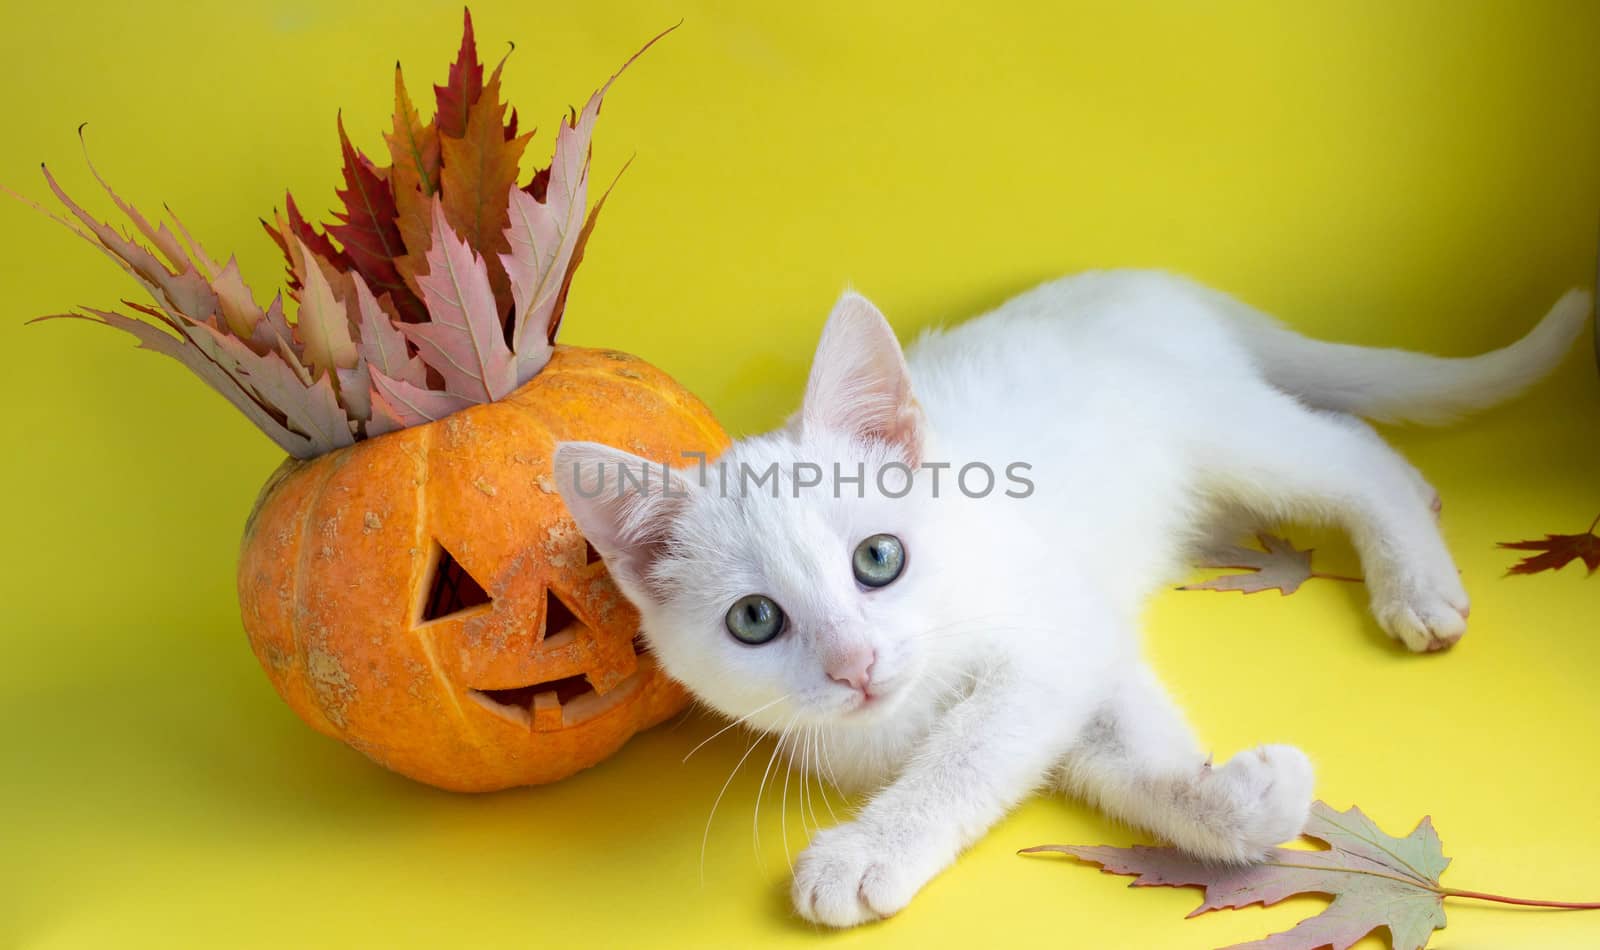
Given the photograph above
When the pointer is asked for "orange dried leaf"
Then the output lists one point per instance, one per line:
(479, 170)
(239, 308)
(413, 178)
(413, 146)
(324, 324)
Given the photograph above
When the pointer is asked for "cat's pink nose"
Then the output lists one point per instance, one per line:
(853, 668)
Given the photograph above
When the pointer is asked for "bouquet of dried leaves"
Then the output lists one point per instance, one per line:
(441, 283)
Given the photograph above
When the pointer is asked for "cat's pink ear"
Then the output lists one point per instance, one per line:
(859, 383)
(624, 505)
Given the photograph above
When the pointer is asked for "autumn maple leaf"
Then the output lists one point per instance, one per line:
(1279, 566)
(1558, 551)
(1375, 879)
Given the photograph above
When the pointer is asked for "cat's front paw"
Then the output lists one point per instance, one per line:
(1257, 799)
(852, 874)
(1426, 612)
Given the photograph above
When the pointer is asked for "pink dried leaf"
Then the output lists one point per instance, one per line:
(412, 405)
(324, 323)
(545, 232)
(160, 236)
(464, 339)
(185, 292)
(273, 332)
(385, 417)
(208, 265)
(239, 308)
(578, 250)
(355, 387)
(1375, 880)
(159, 341)
(313, 410)
(1277, 566)
(380, 344)
(542, 236)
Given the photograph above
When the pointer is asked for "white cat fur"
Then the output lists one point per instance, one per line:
(1006, 657)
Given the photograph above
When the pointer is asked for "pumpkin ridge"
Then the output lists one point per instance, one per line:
(279, 475)
(422, 546)
(302, 654)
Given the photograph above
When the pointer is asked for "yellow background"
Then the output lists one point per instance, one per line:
(1424, 174)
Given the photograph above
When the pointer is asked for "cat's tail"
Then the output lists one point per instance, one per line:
(1391, 385)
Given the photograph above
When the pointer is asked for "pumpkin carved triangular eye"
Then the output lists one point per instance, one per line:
(451, 590)
(558, 617)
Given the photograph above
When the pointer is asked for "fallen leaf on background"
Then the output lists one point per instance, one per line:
(1558, 551)
(1277, 566)
(1375, 879)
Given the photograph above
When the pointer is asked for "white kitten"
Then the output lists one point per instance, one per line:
(957, 653)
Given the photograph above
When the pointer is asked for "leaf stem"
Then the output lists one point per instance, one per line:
(1480, 896)
(1593, 524)
(1338, 577)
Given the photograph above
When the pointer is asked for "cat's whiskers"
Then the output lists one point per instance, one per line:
(807, 775)
(805, 788)
(741, 719)
(833, 778)
(788, 767)
(705, 838)
(755, 822)
(818, 750)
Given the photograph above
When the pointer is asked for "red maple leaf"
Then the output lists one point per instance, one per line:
(461, 91)
(368, 229)
(298, 226)
(1557, 551)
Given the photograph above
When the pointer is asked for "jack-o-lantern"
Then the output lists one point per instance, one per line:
(426, 597)
(410, 579)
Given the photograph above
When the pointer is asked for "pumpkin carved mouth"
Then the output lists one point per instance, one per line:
(561, 703)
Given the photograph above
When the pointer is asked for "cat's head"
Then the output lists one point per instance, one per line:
(767, 594)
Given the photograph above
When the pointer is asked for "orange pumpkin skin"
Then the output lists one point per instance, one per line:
(338, 568)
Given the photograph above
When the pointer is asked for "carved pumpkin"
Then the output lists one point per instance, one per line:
(425, 596)
(410, 579)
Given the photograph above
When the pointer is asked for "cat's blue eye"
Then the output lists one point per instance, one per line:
(755, 619)
(879, 560)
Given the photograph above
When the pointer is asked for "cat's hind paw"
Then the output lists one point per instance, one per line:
(849, 877)
(1425, 615)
